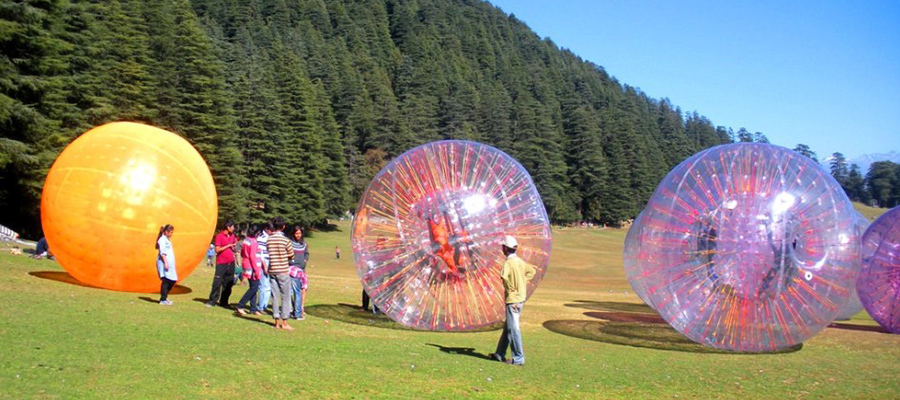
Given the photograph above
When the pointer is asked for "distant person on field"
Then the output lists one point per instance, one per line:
(8, 234)
(42, 249)
(280, 253)
(299, 281)
(224, 279)
(165, 263)
(337, 252)
(252, 266)
(210, 255)
(516, 274)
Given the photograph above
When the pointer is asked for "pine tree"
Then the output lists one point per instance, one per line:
(880, 180)
(589, 166)
(856, 186)
(192, 98)
(839, 169)
(806, 152)
(300, 170)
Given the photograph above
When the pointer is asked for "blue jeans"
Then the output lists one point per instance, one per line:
(265, 291)
(248, 296)
(511, 336)
(296, 284)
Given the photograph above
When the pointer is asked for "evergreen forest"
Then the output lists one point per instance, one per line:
(296, 104)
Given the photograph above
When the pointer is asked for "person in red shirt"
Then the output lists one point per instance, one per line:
(224, 279)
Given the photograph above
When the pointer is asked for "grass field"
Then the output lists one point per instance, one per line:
(586, 336)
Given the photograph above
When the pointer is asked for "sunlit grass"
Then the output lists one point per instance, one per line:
(586, 336)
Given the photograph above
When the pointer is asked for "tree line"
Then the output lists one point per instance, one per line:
(296, 104)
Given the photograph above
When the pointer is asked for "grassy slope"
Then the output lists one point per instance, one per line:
(872, 213)
(66, 341)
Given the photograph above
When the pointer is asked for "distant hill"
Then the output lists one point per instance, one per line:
(866, 160)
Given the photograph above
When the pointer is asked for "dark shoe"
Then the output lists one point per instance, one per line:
(497, 357)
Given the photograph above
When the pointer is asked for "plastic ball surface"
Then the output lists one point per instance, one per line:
(747, 247)
(108, 193)
(879, 279)
(426, 235)
(853, 306)
(632, 257)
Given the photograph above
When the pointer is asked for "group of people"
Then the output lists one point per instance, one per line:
(274, 265)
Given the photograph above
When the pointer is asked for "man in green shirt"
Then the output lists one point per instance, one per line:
(516, 273)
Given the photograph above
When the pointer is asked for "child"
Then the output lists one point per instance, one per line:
(210, 255)
(337, 252)
(299, 282)
(165, 263)
(252, 267)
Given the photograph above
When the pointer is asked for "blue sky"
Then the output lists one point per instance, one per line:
(822, 73)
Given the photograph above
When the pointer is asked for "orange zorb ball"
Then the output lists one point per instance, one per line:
(108, 193)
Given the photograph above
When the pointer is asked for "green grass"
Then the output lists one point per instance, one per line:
(586, 336)
(872, 213)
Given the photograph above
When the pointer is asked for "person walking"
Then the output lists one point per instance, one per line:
(515, 273)
(224, 279)
(252, 266)
(299, 281)
(165, 263)
(280, 253)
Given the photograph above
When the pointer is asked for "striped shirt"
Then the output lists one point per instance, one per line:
(262, 250)
(280, 252)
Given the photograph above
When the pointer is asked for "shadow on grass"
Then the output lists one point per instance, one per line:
(64, 277)
(853, 327)
(626, 317)
(353, 314)
(638, 334)
(254, 319)
(611, 306)
(463, 351)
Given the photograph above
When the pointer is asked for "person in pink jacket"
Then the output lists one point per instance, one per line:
(252, 266)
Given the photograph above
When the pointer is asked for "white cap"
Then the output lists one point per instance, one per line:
(510, 242)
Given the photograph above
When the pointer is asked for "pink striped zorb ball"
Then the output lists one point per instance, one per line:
(747, 247)
(426, 235)
(631, 257)
(879, 279)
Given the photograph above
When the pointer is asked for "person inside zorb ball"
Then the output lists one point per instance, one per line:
(746, 247)
(426, 235)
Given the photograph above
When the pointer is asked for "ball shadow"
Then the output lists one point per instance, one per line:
(612, 306)
(639, 334)
(626, 317)
(64, 277)
(853, 327)
(353, 314)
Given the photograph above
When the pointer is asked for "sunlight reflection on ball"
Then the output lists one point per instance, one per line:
(747, 247)
(108, 193)
(426, 235)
